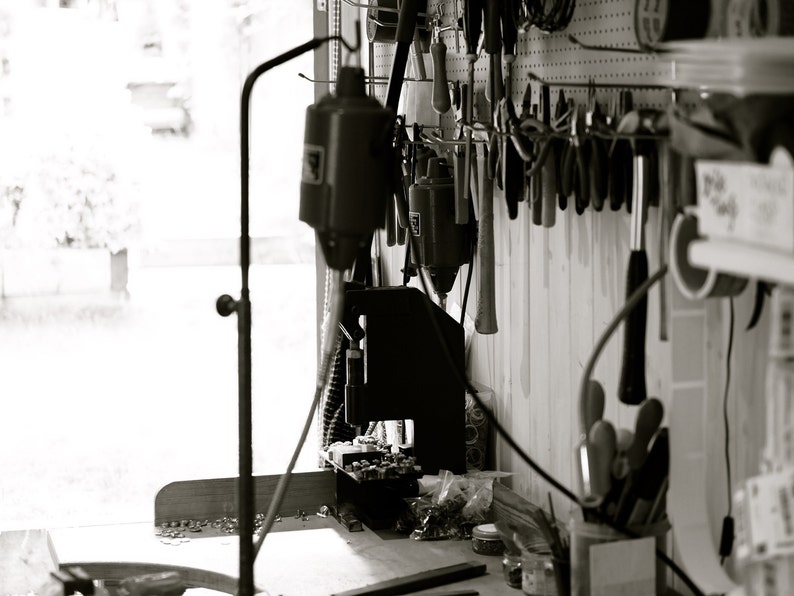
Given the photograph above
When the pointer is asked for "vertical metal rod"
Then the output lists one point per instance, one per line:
(245, 483)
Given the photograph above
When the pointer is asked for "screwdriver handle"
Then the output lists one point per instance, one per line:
(509, 31)
(472, 26)
(440, 97)
(493, 34)
(601, 449)
(632, 378)
(591, 407)
(649, 418)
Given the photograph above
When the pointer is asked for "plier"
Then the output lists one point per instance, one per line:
(597, 153)
(574, 175)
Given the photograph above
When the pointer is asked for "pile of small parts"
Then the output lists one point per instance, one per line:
(390, 465)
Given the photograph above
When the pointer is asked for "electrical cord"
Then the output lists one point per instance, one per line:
(727, 534)
(550, 16)
(468, 283)
(330, 324)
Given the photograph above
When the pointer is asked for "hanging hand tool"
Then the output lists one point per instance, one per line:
(485, 321)
(621, 175)
(511, 161)
(548, 175)
(404, 36)
(508, 13)
(559, 146)
(472, 27)
(462, 160)
(438, 51)
(632, 379)
(442, 245)
(494, 88)
(597, 153)
(575, 177)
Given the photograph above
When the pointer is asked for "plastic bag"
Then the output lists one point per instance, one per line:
(457, 504)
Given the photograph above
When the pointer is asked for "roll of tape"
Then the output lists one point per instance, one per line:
(695, 283)
(759, 18)
(668, 20)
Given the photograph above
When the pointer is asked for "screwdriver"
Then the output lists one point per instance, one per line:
(494, 89)
(472, 27)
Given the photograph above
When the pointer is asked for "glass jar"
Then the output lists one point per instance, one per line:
(485, 540)
(511, 570)
(537, 575)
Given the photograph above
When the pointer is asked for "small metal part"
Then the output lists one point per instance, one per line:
(351, 522)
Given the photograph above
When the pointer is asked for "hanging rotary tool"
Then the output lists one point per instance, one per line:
(443, 245)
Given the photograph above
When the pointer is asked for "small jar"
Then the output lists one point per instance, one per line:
(511, 570)
(485, 540)
(537, 575)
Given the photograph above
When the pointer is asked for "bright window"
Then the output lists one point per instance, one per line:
(126, 138)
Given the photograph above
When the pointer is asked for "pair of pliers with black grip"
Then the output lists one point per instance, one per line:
(597, 152)
(574, 175)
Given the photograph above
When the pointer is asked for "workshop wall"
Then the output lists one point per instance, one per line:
(557, 288)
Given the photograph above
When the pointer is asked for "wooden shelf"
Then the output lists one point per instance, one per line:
(743, 260)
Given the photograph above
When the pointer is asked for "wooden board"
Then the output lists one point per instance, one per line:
(214, 498)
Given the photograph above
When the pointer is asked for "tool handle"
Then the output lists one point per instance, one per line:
(536, 198)
(391, 223)
(591, 406)
(548, 176)
(404, 35)
(461, 189)
(632, 377)
(649, 418)
(601, 449)
(485, 321)
(509, 32)
(418, 62)
(493, 34)
(598, 173)
(472, 26)
(440, 97)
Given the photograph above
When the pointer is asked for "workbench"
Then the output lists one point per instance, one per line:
(315, 556)
(302, 556)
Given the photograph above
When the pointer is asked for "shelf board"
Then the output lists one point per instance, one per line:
(743, 260)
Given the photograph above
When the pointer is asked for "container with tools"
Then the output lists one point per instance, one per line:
(586, 535)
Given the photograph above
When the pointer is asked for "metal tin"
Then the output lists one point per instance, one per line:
(485, 540)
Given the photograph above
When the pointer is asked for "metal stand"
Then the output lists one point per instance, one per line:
(226, 305)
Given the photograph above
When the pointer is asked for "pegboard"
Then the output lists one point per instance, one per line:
(552, 57)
